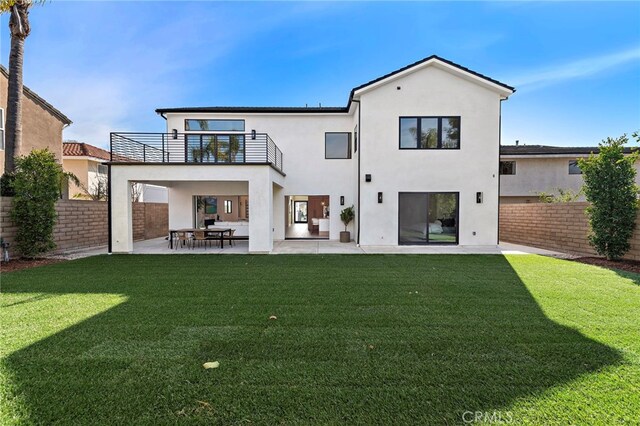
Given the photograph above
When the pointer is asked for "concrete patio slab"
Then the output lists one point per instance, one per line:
(160, 246)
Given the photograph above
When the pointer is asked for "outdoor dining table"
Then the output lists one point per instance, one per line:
(219, 231)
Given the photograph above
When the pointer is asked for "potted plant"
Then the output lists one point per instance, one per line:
(346, 216)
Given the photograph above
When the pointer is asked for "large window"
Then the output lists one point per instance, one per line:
(337, 145)
(1, 128)
(574, 169)
(215, 148)
(214, 125)
(429, 132)
(428, 218)
(507, 167)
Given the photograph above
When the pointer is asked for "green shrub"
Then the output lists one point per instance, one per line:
(37, 187)
(6, 185)
(562, 196)
(609, 185)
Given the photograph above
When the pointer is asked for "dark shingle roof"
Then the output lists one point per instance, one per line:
(550, 150)
(329, 109)
(38, 100)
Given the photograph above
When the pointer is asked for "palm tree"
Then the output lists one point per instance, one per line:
(20, 29)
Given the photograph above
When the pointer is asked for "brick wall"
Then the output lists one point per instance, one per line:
(150, 220)
(560, 227)
(83, 224)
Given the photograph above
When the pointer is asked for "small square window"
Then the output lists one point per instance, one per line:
(507, 167)
(574, 168)
(337, 145)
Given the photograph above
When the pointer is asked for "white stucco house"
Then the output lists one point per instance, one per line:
(527, 170)
(416, 152)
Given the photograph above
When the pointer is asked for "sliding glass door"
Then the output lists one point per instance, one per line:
(428, 218)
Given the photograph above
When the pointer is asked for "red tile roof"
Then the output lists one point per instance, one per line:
(79, 149)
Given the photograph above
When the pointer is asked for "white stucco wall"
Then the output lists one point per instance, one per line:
(473, 168)
(541, 174)
(301, 137)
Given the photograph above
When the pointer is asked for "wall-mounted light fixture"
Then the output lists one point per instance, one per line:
(367, 178)
(342, 200)
(379, 197)
(175, 133)
(253, 134)
(478, 197)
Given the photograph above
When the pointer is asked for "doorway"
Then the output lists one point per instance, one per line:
(428, 218)
(306, 217)
(300, 211)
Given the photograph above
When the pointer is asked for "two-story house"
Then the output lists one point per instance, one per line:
(42, 124)
(416, 152)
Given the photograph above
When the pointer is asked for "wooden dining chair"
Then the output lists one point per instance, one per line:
(182, 239)
(200, 237)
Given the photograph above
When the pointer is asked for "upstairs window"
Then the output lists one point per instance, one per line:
(337, 145)
(214, 125)
(507, 167)
(103, 169)
(574, 169)
(1, 128)
(355, 139)
(429, 132)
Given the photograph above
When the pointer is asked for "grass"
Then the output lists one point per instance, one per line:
(358, 339)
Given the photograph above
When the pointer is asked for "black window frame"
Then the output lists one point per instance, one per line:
(418, 119)
(355, 139)
(428, 243)
(349, 156)
(187, 129)
(228, 203)
(575, 163)
(514, 168)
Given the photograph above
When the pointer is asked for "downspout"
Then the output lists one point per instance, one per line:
(110, 244)
(498, 174)
(109, 233)
(359, 153)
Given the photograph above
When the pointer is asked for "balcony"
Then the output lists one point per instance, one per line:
(195, 148)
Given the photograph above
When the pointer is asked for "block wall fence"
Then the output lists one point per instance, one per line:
(560, 227)
(83, 224)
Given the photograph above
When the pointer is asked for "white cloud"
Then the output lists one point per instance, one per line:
(582, 68)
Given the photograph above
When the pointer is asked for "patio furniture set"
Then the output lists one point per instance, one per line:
(189, 237)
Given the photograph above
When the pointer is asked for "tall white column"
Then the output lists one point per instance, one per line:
(260, 214)
(121, 215)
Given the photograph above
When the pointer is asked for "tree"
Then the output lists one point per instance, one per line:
(37, 187)
(609, 185)
(20, 29)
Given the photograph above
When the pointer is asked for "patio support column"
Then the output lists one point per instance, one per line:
(121, 215)
(260, 214)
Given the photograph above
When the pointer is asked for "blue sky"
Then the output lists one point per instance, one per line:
(108, 65)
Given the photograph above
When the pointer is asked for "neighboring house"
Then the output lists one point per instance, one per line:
(416, 151)
(42, 124)
(527, 170)
(87, 163)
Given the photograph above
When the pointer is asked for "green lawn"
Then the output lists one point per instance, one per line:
(358, 339)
